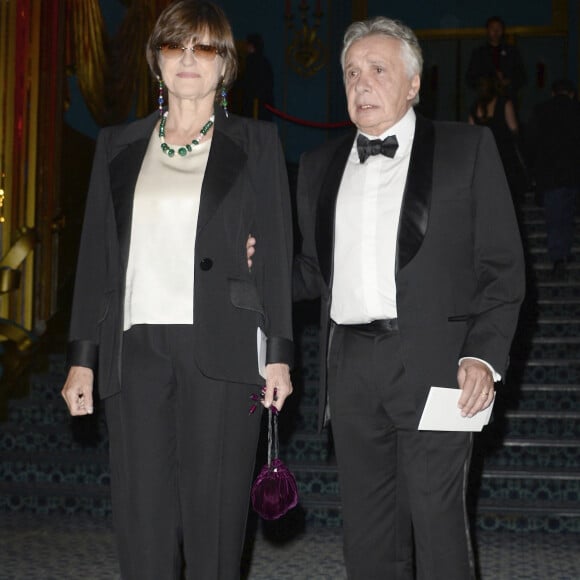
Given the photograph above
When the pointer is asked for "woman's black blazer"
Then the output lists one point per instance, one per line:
(244, 191)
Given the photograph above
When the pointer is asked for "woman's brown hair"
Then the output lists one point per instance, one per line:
(192, 19)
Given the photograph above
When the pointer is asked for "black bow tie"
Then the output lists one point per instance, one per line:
(367, 147)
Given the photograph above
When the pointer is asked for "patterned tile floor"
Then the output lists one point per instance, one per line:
(74, 547)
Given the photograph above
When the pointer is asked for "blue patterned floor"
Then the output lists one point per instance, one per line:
(70, 548)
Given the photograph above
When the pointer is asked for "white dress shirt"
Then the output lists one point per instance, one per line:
(160, 272)
(365, 239)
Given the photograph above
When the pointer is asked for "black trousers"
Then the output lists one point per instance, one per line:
(182, 451)
(403, 491)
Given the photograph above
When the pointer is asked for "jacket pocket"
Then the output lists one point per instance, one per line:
(244, 294)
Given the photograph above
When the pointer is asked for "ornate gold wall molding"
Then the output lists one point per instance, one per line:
(87, 53)
(306, 52)
(10, 277)
(360, 10)
(112, 71)
(31, 62)
(558, 27)
(19, 102)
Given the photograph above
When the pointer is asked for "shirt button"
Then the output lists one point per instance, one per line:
(206, 264)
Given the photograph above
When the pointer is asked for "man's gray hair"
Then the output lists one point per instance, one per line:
(380, 25)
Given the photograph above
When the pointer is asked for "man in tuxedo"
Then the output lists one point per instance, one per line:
(410, 240)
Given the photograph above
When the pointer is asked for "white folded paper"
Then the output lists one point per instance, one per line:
(441, 413)
(262, 342)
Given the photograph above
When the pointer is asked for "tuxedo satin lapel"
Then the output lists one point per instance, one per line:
(226, 161)
(417, 196)
(124, 171)
(325, 213)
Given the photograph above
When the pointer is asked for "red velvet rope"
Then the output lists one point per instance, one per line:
(299, 121)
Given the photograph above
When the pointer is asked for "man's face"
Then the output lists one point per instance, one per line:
(378, 89)
(494, 33)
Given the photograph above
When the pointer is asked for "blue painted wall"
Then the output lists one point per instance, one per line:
(462, 14)
(320, 97)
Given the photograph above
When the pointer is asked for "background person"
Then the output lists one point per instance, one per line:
(498, 113)
(258, 80)
(165, 309)
(553, 145)
(497, 59)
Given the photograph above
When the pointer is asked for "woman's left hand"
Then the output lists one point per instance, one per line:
(278, 385)
(250, 250)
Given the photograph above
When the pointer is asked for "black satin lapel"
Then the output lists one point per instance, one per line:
(124, 171)
(225, 162)
(417, 196)
(326, 209)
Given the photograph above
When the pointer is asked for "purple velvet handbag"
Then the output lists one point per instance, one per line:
(274, 492)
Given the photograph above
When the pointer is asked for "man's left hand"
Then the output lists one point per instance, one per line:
(476, 382)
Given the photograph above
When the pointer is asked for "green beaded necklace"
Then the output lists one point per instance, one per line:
(184, 149)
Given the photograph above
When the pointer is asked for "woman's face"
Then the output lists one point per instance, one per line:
(191, 75)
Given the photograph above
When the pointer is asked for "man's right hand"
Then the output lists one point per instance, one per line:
(78, 391)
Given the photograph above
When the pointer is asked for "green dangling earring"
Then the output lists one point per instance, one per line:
(160, 97)
(224, 99)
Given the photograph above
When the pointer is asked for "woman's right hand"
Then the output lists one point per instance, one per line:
(78, 390)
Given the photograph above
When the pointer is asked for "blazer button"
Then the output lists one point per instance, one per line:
(206, 264)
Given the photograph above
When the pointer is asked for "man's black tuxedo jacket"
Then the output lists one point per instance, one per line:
(459, 260)
(245, 190)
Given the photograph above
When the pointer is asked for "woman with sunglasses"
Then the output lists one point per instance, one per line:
(166, 311)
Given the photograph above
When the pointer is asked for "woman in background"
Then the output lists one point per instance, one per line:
(166, 310)
(497, 112)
